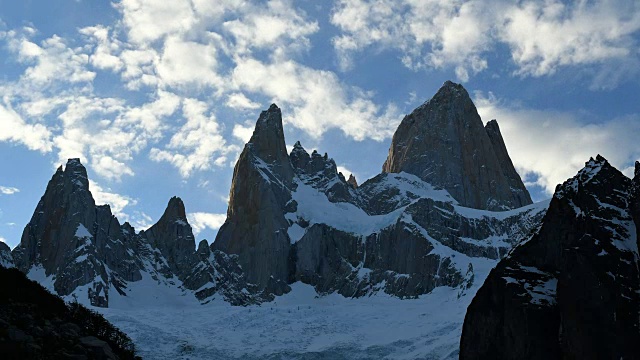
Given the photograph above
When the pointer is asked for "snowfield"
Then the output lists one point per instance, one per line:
(302, 325)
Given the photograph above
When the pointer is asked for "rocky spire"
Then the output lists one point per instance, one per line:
(172, 235)
(445, 143)
(519, 191)
(256, 229)
(635, 199)
(267, 142)
(352, 181)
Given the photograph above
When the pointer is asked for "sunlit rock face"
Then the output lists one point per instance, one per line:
(572, 290)
(444, 143)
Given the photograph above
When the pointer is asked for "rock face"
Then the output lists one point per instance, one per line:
(261, 188)
(444, 143)
(572, 290)
(85, 251)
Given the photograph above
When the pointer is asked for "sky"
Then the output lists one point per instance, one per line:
(157, 98)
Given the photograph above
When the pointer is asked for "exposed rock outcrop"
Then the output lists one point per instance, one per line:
(352, 181)
(444, 143)
(571, 291)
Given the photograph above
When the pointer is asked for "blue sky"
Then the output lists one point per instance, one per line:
(158, 97)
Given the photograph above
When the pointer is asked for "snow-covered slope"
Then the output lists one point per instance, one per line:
(303, 325)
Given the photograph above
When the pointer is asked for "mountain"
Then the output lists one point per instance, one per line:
(572, 289)
(444, 143)
(293, 217)
(80, 250)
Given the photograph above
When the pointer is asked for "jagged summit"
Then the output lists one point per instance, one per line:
(444, 143)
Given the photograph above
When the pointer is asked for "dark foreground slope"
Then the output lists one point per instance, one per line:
(34, 324)
(573, 290)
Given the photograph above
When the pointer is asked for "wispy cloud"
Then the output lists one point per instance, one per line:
(541, 36)
(8, 190)
(202, 220)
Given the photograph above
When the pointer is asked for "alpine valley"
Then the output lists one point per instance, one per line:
(442, 255)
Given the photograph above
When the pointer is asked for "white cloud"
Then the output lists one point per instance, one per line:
(140, 221)
(554, 145)
(202, 220)
(105, 47)
(188, 63)
(117, 202)
(277, 26)
(243, 132)
(240, 102)
(8, 190)
(3, 239)
(193, 147)
(150, 20)
(540, 35)
(52, 60)
(16, 129)
(316, 100)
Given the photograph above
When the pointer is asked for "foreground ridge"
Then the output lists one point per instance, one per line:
(573, 289)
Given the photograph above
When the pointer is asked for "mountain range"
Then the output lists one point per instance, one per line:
(447, 207)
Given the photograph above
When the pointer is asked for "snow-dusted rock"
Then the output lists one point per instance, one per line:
(572, 290)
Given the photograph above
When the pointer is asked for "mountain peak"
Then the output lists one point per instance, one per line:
(450, 91)
(77, 173)
(175, 210)
(267, 141)
(444, 143)
(636, 172)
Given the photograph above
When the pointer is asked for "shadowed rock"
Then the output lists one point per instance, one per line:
(572, 291)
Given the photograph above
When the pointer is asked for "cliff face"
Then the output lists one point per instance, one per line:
(256, 229)
(573, 289)
(444, 143)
